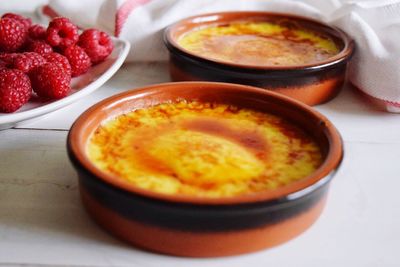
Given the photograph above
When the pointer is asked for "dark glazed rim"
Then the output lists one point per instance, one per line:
(206, 19)
(84, 126)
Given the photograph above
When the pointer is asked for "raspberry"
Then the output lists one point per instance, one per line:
(37, 32)
(97, 44)
(50, 81)
(39, 47)
(12, 34)
(59, 60)
(62, 33)
(15, 90)
(27, 61)
(26, 21)
(78, 59)
(8, 58)
(3, 65)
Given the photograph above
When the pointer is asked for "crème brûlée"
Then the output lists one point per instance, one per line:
(203, 149)
(259, 43)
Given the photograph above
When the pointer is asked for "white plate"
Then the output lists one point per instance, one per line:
(81, 86)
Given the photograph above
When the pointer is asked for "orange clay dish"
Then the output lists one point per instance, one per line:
(204, 169)
(203, 149)
(291, 55)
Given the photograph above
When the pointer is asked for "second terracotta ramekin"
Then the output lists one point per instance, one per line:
(199, 226)
(312, 83)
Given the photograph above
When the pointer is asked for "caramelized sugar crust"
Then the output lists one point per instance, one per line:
(259, 43)
(203, 149)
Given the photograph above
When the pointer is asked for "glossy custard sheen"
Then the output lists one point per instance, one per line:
(203, 149)
(259, 43)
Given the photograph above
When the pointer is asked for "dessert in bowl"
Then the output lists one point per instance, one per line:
(259, 43)
(292, 55)
(203, 149)
(204, 169)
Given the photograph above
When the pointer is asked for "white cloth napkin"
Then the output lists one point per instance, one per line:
(373, 24)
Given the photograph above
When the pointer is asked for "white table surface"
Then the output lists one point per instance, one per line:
(42, 222)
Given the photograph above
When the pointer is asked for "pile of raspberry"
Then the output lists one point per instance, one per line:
(39, 61)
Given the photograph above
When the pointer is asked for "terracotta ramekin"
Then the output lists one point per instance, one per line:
(312, 84)
(199, 226)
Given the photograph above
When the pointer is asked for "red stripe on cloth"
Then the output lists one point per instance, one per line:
(377, 99)
(395, 104)
(48, 11)
(124, 11)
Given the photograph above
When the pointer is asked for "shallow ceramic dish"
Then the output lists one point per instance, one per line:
(199, 226)
(311, 83)
(81, 86)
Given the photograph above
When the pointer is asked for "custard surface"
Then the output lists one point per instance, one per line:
(259, 43)
(203, 149)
